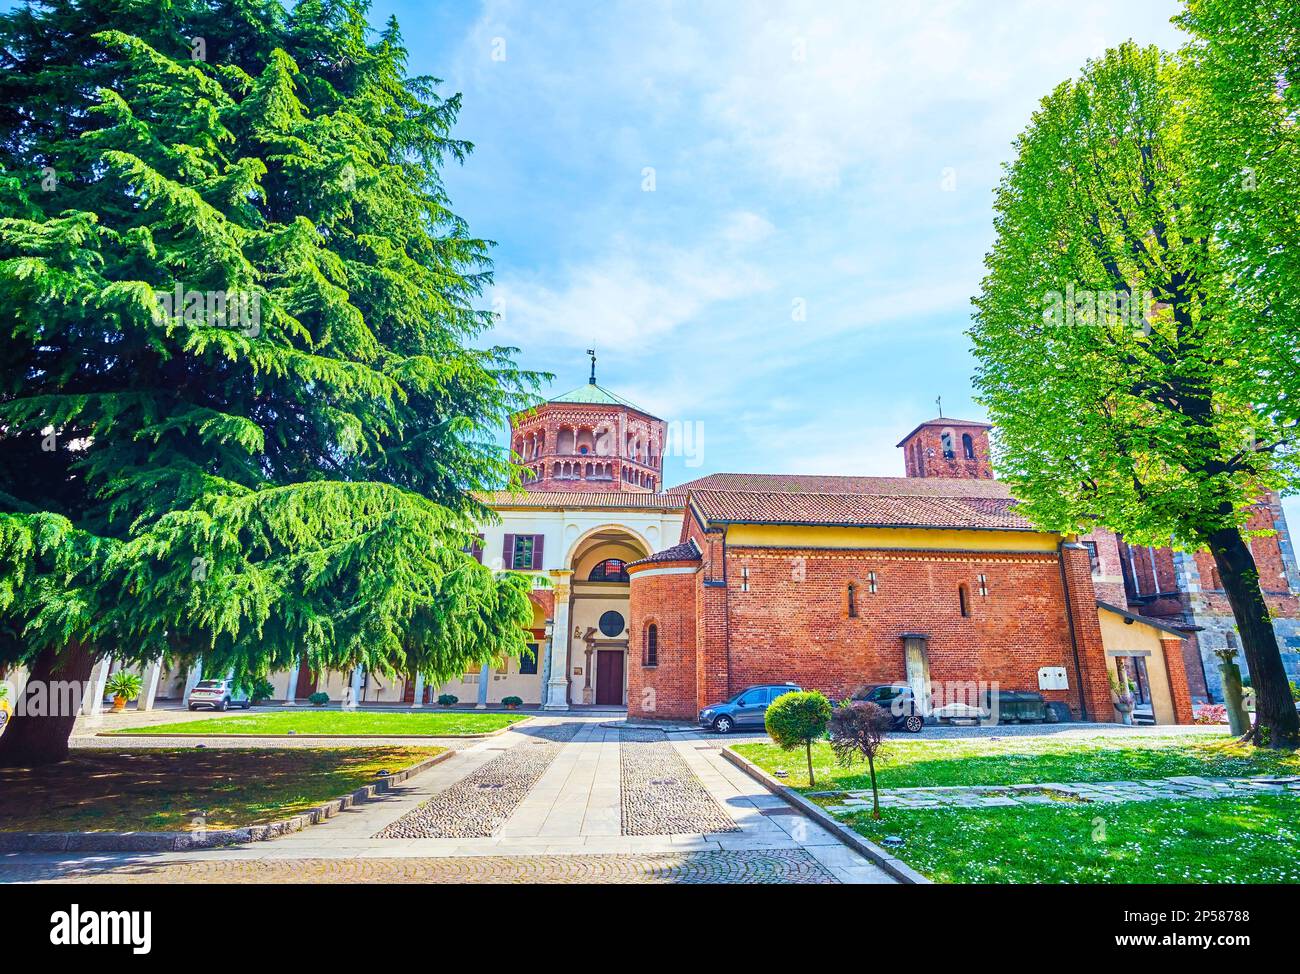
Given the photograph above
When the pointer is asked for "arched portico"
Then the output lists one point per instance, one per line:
(589, 648)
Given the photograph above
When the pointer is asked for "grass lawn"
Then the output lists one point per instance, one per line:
(165, 789)
(341, 722)
(1026, 760)
(1252, 840)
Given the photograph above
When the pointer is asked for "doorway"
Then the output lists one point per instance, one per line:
(916, 654)
(609, 677)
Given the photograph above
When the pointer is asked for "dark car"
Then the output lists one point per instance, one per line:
(748, 708)
(897, 699)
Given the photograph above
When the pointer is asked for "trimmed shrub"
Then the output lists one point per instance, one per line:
(512, 702)
(319, 699)
(447, 699)
(795, 719)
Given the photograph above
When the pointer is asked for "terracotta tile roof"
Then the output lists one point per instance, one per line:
(555, 499)
(686, 551)
(875, 486)
(889, 510)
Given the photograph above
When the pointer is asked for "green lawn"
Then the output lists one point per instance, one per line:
(1025, 760)
(166, 789)
(341, 722)
(1252, 840)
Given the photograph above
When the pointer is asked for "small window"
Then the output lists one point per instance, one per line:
(521, 556)
(528, 664)
(744, 579)
(984, 584)
(652, 645)
(967, 446)
(609, 570)
(611, 623)
(963, 600)
(871, 582)
(852, 599)
(780, 692)
(754, 698)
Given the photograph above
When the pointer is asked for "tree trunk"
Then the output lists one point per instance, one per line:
(875, 792)
(30, 739)
(1276, 722)
(808, 748)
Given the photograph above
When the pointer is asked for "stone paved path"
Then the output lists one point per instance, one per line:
(994, 796)
(661, 794)
(564, 823)
(770, 866)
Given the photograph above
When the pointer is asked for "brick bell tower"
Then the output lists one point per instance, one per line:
(589, 439)
(952, 448)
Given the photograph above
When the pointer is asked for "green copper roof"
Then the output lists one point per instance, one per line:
(598, 395)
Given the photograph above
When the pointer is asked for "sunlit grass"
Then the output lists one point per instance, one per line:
(339, 722)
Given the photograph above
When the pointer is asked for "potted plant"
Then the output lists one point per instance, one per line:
(319, 699)
(261, 691)
(1121, 693)
(512, 703)
(447, 699)
(123, 686)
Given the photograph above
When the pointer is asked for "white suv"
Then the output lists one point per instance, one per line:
(219, 695)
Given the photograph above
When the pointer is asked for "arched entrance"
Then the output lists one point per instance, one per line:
(599, 615)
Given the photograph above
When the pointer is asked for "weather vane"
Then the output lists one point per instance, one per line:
(938, 400)
(592, 353)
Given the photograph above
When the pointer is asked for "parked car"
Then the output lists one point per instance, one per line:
(219, 695)
(897, 699)
(748, 708)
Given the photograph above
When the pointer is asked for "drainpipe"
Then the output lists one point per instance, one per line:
(1074, 638)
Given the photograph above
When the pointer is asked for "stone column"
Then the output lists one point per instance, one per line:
(419, 690)
(93, 697)
(149, 689)
(484, 674)
(358, 674)
(193, 676)
(291, 685)
(557, 685)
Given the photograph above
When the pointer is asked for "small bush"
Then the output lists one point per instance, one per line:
(447, 699)
(795, 719)
(1213, 713)
(319, 699)
(512, 701)
(260, 690)
(858, 731)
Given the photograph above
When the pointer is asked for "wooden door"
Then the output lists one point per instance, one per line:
(306, 682)
(609, 677)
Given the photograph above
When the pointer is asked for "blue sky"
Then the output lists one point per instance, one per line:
(839, 156)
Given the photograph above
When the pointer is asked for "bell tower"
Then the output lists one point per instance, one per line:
(589, 439)
(952, 448)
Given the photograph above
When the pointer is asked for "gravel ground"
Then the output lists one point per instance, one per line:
(766, 866)
(479, 804)
(661, 794)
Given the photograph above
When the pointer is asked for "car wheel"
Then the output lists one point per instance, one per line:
(223, 705)
(194, 706)
(247, 704)
(724, 725)
(913, 724)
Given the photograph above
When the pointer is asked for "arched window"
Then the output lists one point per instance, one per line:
(967, 446)
(609, 570)
(852, 595)
(651, 645)
(945, 441)
(963, 599)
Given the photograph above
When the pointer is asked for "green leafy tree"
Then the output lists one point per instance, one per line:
(241, 416)
(858, 729)
(1159, 419)
(796, 720)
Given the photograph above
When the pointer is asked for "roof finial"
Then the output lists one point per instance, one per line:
(938, 401)
(592, 353)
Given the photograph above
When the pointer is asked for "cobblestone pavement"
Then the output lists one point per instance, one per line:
(661, 795)
(766, 866)
(994, 796)
(480, 803)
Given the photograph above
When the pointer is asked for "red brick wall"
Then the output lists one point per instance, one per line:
(793, 622)
(1178, 688)
(665, 691)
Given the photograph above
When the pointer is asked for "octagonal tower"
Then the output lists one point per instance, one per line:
(589, 439)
